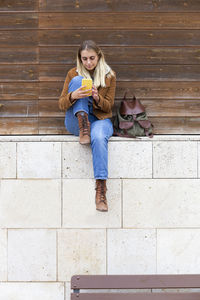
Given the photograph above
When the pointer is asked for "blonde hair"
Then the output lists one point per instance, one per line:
(102, 69)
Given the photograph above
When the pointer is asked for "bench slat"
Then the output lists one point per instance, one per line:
(134, 281)
(136, 296)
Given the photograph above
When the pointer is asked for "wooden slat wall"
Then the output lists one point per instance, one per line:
(153, 45)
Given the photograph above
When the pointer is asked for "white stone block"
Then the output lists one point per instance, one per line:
(178, 251)
(3, 255)
(30, 203)
(8, 160)
(81, 251)
(125, 159)
(131, 251)
(79, 210)
(38, 160)
(161, 203)
(131, 159)
(67, 290)
(175, 159)
(32, 255)
(32, 291)
(73, 138)
(77, 160)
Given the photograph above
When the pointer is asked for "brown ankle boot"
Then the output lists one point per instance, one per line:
(84, 128)
(101, 201)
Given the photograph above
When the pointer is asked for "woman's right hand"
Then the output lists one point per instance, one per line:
(80, 93)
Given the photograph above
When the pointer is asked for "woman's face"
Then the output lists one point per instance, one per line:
(89, 59)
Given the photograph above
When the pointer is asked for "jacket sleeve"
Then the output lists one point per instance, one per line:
(64, 102)
(106, 102)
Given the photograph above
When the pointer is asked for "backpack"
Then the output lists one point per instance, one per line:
(131, 119)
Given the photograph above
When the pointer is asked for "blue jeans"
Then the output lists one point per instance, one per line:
(101, 130)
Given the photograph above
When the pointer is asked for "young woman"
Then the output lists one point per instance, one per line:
(89, 116)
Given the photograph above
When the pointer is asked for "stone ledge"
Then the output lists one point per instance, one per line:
(161, 157)
(71, 138)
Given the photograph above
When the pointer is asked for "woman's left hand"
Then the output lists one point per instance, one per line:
(95, 93)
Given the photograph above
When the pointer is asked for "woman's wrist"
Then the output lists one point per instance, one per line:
(72, 99)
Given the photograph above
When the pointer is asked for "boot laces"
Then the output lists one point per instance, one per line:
(101, 189)
(85, 125)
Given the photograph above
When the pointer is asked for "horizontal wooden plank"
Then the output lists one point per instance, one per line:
(19, 55)
(18, 38)
(113, 37)
(160, 89)
(22, 109)
(53, 73)
(150, 55)
(119, 20)
(18, 5)
(49, 108)
(18, 20)
(154, 108)
(57, 55)
(176, 125)
(50, 90)
(145, 90)
(18, 72)
(158, 72)
(19, 91)
(137, 296)
(18, 126)
(120, 5)
(131, 73)
(170, 108)
(52, 126)
(161, 125)
(125, 55)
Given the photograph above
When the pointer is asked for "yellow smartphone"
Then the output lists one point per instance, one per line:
(88, 85)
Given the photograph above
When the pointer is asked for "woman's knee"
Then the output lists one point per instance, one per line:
(98, 136)
(101, 131)
(76, 81)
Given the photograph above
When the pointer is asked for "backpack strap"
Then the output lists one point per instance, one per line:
(146, 124)
(125, 124)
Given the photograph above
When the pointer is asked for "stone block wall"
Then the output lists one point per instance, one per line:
(50, 230)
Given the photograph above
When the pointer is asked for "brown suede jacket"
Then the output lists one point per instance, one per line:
(103, 109)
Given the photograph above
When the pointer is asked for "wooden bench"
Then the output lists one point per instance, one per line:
(79, 283)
